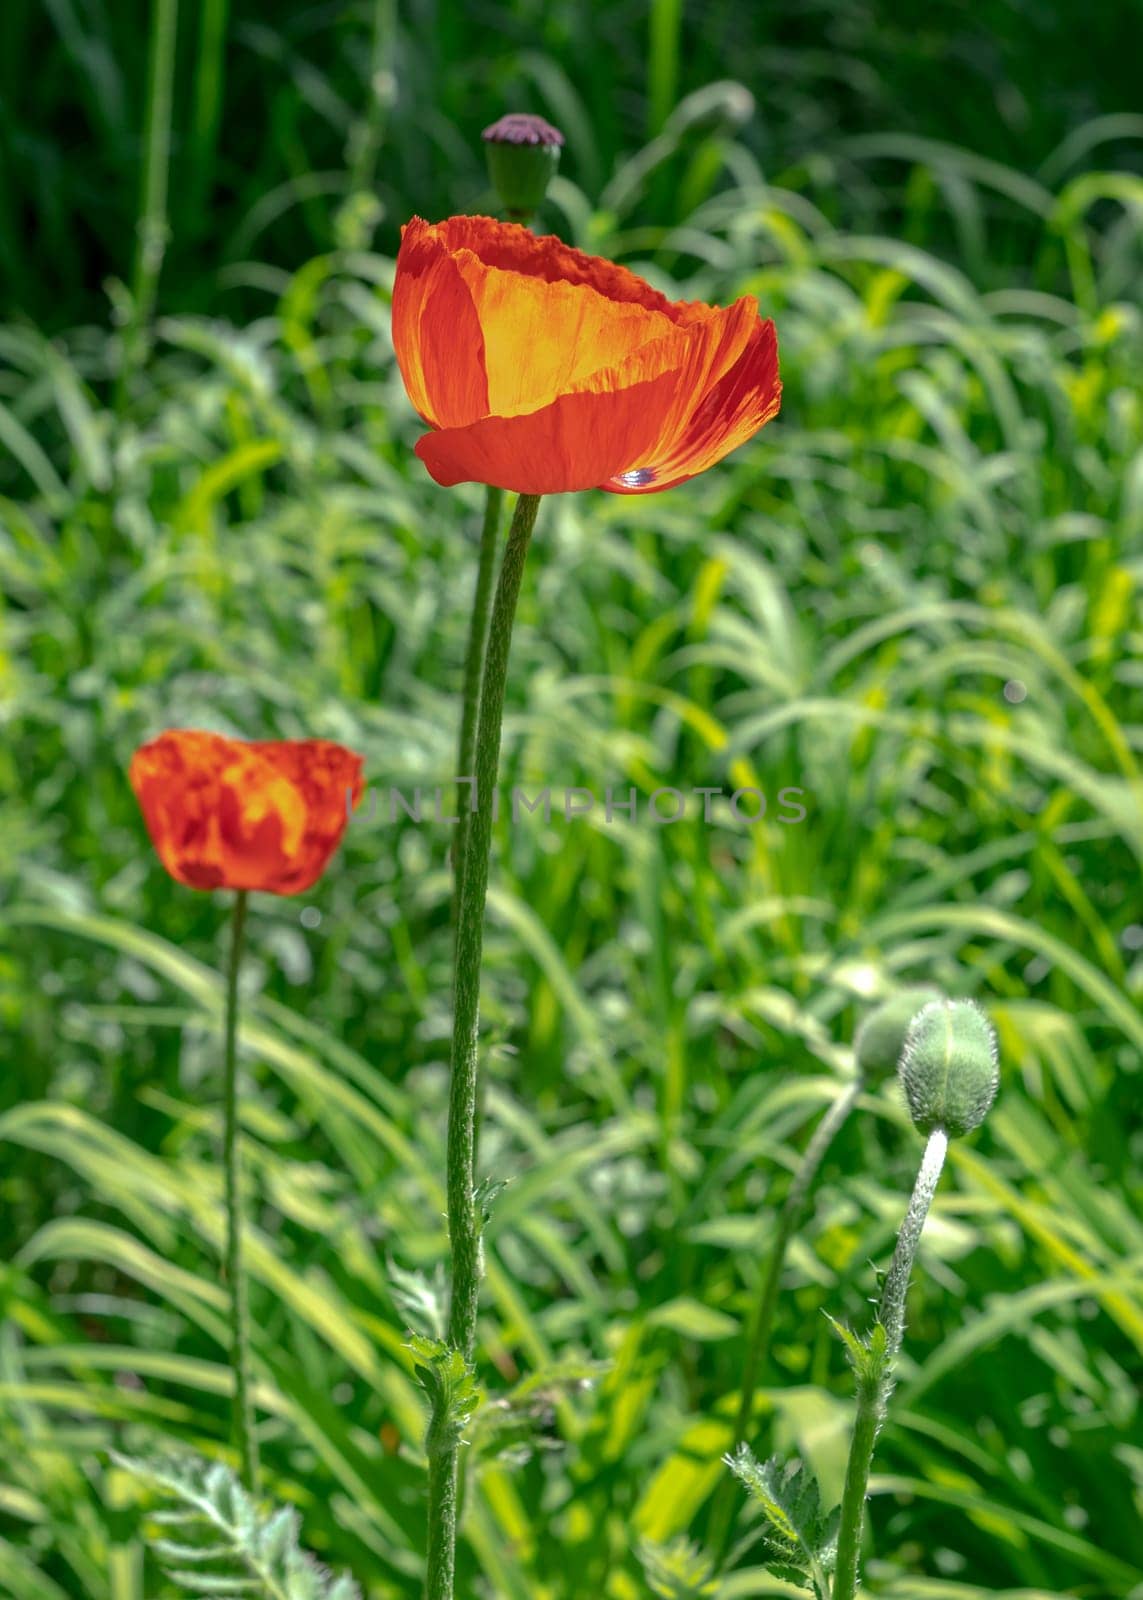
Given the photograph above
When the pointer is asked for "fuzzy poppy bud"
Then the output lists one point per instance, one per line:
(949, 1067)
(523, 153)
(880, 1039)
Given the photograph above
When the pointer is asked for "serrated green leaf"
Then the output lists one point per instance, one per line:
(450, 1383)
(255, 1551)
(278, 1535)
(801, 1537)
(421, 1300)
(169, 1550)
(854, 1348)
(203, 1583)
(679, 1570)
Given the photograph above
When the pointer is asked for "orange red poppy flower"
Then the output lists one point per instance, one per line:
(541, 369)
(231, 814)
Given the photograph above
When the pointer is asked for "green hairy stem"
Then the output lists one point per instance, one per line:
(875, 1375)
(463, 1213)
(473, 666)
(243, 1415)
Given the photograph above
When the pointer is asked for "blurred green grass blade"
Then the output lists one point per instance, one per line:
(24, 1581)
(989, 922)
(666, 21)
(932, 153)
(1006, 1315)
(1082, 1551)
(26, 450)
(1037, 1222)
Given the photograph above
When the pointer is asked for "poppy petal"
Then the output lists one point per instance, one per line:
(701, 355)
(577, 442)
(542, 340)
(618, 420)
(731, 412)
(437, 335)
(512, 248)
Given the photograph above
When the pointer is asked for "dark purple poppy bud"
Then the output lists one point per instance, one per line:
(523, 153)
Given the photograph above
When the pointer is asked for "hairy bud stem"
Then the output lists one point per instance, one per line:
(874, 1367)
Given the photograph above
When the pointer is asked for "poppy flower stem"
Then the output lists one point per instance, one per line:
(242, 1415)
(464, 1221)
(473, 664)
(758, 1348)
(875, 1367)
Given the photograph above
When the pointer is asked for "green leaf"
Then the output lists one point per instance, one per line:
(853, 1345)
(486, 1194)
(230, 1546)
(421, 1299)
(679, 1570)
(515, 1425)
(450, 1383)
(693, 1320)
(802, 1539)
(867, 1357)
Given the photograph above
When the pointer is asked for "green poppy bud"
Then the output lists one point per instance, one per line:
(880, 1039)
(949, 1067)
(523, 153)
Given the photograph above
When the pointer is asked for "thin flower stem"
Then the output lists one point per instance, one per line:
(243, 1415)
(463, 1211)
(473, 665)
(758, 1348)
(875, 1384)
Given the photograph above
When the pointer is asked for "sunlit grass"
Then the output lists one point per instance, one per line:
(915, 597)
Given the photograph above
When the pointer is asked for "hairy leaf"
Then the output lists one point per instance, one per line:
(229, 1545)
(679, 1570)
(802, 1539)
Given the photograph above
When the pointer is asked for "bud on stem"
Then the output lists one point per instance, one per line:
(948, 1067)
(523, 153)
(880, 1039)
(873, 1365)
(949, 1074)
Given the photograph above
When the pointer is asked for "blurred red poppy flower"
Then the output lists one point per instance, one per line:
(231, 814)
(541, 369)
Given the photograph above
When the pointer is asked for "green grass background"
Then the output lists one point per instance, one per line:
(915, 595)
